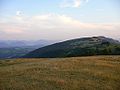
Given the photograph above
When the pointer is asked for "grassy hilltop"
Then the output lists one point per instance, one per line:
(88, 46)
(75, 73)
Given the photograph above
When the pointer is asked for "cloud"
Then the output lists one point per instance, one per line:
(54, 26)
(77, 3)
(19, 13)
(72, 3)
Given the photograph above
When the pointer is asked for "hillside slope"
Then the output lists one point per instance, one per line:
(78, 47)
(15, 52)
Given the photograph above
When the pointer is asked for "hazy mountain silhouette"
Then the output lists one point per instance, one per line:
(18, 48)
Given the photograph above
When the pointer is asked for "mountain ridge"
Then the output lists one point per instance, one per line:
(18, 48)
(99, 45)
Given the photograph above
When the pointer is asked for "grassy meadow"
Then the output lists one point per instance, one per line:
(75, 73)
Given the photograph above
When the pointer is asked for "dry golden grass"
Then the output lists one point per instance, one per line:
(76, 73)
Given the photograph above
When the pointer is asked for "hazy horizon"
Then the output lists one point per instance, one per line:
(55, 40)
(59, 19)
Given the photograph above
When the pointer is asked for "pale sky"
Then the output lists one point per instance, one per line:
(58, 19)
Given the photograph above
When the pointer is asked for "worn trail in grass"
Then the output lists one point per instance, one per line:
(76, 73)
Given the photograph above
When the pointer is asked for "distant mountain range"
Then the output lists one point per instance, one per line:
(78, 47)
(14, 48)
(24, 43)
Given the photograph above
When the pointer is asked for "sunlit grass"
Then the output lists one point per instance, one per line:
(76, 73)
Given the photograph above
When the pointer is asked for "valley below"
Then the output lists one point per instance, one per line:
(74, 73)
